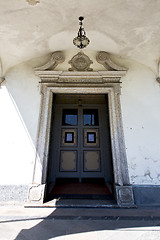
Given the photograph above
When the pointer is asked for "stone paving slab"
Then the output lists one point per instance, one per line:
(77, 229)
(81, 212)
(76, 203)
(19, 223)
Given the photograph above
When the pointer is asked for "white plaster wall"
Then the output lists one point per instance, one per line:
(140, 101)
(19, 112)
(122, 27)
(19, 116)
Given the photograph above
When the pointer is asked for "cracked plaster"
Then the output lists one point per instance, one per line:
(32, 2)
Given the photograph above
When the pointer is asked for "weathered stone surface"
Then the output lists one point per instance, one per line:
(13, 193)
(56, 58)
(147, 195)
(104, 59)
(80, 62)
(36, 192)
(124, 195)
(85, 84)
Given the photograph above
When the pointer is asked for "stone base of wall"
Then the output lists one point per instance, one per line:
(36, 193)
(13, 193)
(146, 195)
(124, 196)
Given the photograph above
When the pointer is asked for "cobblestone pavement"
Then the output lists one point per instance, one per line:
(19, 223)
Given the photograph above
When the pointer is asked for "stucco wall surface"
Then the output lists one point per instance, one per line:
(19, 111)
(140, 100)
(124, 27)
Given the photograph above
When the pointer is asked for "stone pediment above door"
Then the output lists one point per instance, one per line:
(83, 70)
(80, 62)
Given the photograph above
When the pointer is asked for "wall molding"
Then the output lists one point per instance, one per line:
(101, 82)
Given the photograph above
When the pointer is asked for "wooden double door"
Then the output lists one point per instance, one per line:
(80, 143)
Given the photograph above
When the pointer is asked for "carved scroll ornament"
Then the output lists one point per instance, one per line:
(56, 58)
(104, 59)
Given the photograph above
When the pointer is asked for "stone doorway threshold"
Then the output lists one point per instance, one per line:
(75, 203)
(75, 190)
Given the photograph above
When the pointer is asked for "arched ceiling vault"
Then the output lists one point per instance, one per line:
(32, 28)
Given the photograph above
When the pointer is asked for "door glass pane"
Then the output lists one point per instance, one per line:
(70, 117)
(90, 117)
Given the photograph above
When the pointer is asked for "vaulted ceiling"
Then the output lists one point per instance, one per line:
(32, 28)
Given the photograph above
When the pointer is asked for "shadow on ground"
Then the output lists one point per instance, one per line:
(62, 222)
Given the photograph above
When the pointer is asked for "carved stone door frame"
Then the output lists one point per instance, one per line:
(100, 82)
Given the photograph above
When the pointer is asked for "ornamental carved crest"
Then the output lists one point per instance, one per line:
(80, 62)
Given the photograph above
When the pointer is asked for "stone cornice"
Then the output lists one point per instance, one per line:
(52, 76)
